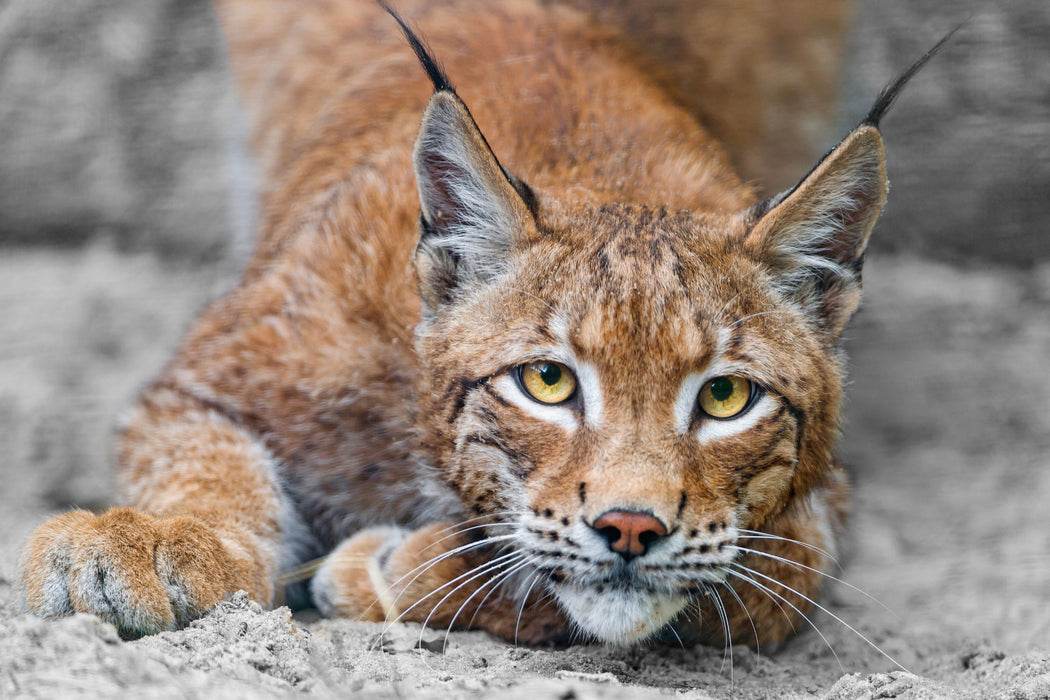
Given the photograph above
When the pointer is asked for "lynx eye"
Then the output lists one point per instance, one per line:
(725, 397)
(547, 382)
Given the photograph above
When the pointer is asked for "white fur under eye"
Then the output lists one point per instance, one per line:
(685, 403)
(711, 429)
(559, 415)
(587, 383)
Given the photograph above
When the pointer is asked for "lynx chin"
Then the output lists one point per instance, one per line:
(549, 368)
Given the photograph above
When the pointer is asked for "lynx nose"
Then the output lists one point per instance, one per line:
(629, 533)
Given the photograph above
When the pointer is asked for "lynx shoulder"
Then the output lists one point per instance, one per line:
(543, 365)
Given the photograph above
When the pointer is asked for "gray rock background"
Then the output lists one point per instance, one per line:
(116, 120)
(969, 142)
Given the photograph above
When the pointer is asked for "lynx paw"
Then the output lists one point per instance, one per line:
(142, 573)
(351, 581)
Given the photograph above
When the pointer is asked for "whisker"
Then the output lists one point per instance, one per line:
(457, 533)
(521, 609)
(771, 592)
(727, 643)
(469, 576)
(497, 514)
(758, 535)
(675, 633)
(791, 562)
(530, 294)
(431, 563)
(531, 561)
(718, 316)
(494, 582)
(740, 602)
(481, 571)
(817, 605)
(300, 573)
(780, 607)
(481, 604)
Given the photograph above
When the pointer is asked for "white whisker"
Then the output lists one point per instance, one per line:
(431, 563)
(718, 316)
(771, 592)
(727, 643)
(791, 562)
(457, 533)
(494, 582)
(675, 633)
(817, 605)
(780, 607)
(758, 535)
(481, 604)
(524, 599)
(530, 294)
(471, 575)
(478, 517)
(740, 602)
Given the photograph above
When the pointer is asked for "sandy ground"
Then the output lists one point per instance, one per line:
(115, 130)
(947, 434)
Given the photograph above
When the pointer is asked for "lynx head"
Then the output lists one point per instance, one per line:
(623, 391)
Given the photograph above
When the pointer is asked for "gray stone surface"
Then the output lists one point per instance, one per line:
(116, 120)
(969, 142)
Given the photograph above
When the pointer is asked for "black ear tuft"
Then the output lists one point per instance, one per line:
(889, 93)
(434, 71)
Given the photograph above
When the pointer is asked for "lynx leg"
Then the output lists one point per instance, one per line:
(414, 576)
(204, 522)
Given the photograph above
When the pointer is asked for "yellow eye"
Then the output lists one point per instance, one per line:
(548, 382)
(725, 397)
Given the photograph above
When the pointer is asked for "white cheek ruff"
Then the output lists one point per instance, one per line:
(619, 616)
(559, 415)
(711, 429)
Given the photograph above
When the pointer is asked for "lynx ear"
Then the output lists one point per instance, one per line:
(472, 209)
(813, 236)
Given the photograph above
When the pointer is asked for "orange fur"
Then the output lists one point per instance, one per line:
(340, 400)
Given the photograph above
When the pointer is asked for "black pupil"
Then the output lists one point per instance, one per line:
(550, 374)
(721, 388)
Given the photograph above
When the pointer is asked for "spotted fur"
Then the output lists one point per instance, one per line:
(356, 395)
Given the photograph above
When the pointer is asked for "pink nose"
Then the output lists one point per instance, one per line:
(629, 533)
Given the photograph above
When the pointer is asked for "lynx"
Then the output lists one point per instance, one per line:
(561, 376)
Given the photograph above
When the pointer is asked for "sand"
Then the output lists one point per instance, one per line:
(947, 434)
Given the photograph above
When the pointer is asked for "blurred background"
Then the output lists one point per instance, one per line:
(125, 204)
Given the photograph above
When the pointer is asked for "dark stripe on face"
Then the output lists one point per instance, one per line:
(768, 457)
(800, 423)
(520, 465)
(457, 392)
(497, 398)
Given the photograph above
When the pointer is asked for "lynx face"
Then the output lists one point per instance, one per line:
(625, 390)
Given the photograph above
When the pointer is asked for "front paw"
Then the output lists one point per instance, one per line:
(351, 583)
(142, 573)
